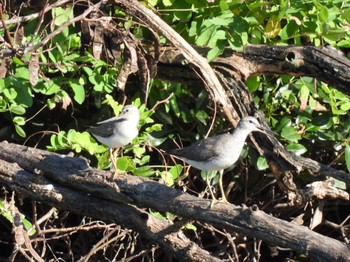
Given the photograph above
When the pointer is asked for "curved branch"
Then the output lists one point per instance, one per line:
(211, 81)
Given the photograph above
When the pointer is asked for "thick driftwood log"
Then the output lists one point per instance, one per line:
(323, 63)
(231, 71)
(60, 181)
(36, 186)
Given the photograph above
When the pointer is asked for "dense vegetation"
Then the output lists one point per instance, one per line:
(52, 87)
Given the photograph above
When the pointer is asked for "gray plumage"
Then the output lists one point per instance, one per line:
(118, 131)
(219, 152)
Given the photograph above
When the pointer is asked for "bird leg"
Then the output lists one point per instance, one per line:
(214, 200)
(223, 196)
(113, 154)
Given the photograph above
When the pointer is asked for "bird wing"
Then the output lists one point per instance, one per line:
(113, 119)
(107, 127)
(203, 150)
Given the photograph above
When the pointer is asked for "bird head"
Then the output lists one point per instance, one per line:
(130, 112)
(252, 124)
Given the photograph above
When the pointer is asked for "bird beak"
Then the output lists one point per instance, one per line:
(266, 132)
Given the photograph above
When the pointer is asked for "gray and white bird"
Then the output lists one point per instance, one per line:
(219, 152)
(118, 131)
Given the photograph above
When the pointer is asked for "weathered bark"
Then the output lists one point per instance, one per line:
(69, 183)
(69, 175)
(322, 63)
(67, 188)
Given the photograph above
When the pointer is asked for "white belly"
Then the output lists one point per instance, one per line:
(120, 138)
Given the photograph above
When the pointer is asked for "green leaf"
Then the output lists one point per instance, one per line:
(20, 131)
(50, 87)
(78, 89)
(273, 27)
(17, 109)
(117, 108)
(51, 103)
(284, 122)
(152, 2)
(53, 141)
(168, 2)
(345, 106)
(125, 163)
(138, 151)
(145, 171)
(22, 72)
(210, 175)
(18, 120)
(190, 226)
(175, 171)
(290, 134)
(344, 43)
(323, 14)
(10, 93)
(167, 178)
(297, 149)
(253, 83)
(28, 226)
(202, 116)
(340, 184)
(17, 61)
(205, 35)
(61, 15)
(214, 52)
(262, 163)
(7, 213)
(24, 92)
(347, 157)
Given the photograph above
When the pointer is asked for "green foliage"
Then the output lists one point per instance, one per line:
(347, 157)
(186, 107)
(298, 109)
(235, 23)
(301, 111)
(7, 213)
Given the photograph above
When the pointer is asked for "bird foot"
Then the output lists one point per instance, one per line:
(221, 200)
(116, 173)
(214, 201)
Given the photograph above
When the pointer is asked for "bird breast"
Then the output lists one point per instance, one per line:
(127, 131)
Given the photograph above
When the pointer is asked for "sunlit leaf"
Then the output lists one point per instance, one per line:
(20, 131)
(290, 134)
(297, 149)
(347, 157)
(79, 91)
(262, 163)
(273, 27)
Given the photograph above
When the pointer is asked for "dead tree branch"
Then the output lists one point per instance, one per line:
(69, 183)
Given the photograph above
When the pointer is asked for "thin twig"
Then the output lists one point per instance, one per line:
(43, 11)
(62, 27)
(26, 18)
(162, 102)
(3, 22)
